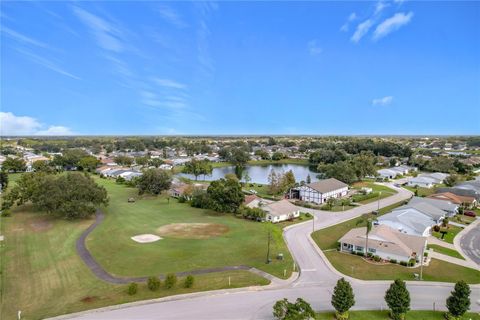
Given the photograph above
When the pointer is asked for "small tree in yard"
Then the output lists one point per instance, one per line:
(397, 298)
(153, 283)
(300, 310)
(343, 299)
(459, 301)
(170, 280)
(189, 280)
(132, 288)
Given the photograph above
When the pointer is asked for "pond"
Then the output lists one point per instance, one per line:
(259, 173)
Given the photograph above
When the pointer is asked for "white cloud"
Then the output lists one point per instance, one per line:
(391, 24)
(169, 83)
(314, 48)
(13, 125)
(352, 16)
(171, 16)
(47, 64)
(107, 35)
(346, 25)
(380, 6)
(361, 30)
(22, 38)
(385, 101)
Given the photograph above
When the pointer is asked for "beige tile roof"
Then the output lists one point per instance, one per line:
(327, 185)
(384, 238)
(281, 207)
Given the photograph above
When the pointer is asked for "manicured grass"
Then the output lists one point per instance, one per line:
(262, 191)
(383, 315)
(245, 243)
(452, 231)
(327, 238)
(336, 208)
(422, 192)
(437, 270)
(446, 251)
(385, 191)
(42, 275)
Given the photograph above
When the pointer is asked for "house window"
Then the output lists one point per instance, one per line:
(372, 250)
(358, 248)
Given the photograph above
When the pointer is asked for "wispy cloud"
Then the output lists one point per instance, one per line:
(361, 30)
(47, 63)
(12, 125)
(385, 101)
(346, 25)
(169, 83)
(171, 16)
(391, 24)
(23, 38)
(107, 35)
(203, 33)
(380, 5)
(314, 48)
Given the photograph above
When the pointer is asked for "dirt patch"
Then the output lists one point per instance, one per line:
(89, 299)
(41, 224)
(192, 230)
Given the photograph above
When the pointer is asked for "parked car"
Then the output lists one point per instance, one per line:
(469, 214)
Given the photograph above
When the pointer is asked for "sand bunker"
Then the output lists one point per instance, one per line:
(146, 238)
(192, 230)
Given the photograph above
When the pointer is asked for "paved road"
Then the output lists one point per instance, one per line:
(314, 284)
(470, 244)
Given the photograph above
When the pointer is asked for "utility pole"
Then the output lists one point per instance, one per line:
(421, 263)
(379, 196)
(313, 222)
(268, 248)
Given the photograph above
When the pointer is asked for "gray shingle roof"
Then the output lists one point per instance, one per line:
(327, 185)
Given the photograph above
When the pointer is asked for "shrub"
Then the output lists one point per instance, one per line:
(189, 280)
(308, 215)
(377, 258)
(182, 199)
(361, 254)
(411, 262)
(132, 288)
(403, 263)
(393, 260)
(436, 228)
(153, 283)
(6, 213)
(170, 280)
(369, 254)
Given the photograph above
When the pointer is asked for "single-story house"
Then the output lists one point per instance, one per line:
(427, 180)
(252, 201)
(387, 173)
(413, 219)
(280, 211)
(448, 207)
(186, 190)
(129, 175)
(320, 191)
(385, 242)
(468, 202)
(461, 192)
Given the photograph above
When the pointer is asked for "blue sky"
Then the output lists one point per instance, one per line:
(387, 67)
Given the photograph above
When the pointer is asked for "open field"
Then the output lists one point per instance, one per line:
(357, 267)
(245, 243)
(452, 232)
(383, 315)
(446, 251)
(327, 238)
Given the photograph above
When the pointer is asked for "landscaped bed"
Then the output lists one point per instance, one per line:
(450, 234)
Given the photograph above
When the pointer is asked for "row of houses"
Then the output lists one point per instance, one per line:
(393, 172)
(427, 180)
(115, 172)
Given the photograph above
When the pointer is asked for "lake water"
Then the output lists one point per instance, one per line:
(259, 173)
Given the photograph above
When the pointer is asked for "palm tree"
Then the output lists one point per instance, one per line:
(369, 228)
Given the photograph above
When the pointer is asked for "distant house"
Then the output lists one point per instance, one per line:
(280, 211)
(427, 180)
(252, 201)
(385, 242)
(448, 207)
(320, 191)
(186, 190)
(393, 172)
(468, 202)
(414, 219)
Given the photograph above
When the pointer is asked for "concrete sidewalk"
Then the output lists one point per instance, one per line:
(442, 243)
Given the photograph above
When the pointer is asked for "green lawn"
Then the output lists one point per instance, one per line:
(379, 190)
(327, 238)
(383, 315)
(446, 251)
(357, 267)
(451, 233)
(245, 243)
(422, 192)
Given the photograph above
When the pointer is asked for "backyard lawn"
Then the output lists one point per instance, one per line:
(446, 251)
(229, 241)
(357, 267)
(451, 233)
(383, 315)
(379, 191)
(422, 192)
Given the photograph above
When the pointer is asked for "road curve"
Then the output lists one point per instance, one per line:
(315, 284)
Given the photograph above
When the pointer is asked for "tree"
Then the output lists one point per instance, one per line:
(73, 195)
(141, 161)
(364, 164)
(155, 162)
(276, 156)
(124, 160)
(42, 165)
(189, 280)
(238, 157)
(459, 301)
(225, 195)
(343, 171)
(153, 283)
(3, 180)
(262, 154)
(300, 310)
(170, 280)
(154, 181)
(287, 181)
(451, 180)
(88, 163)
(343, 299)
(273, 182)
(397, 298)
(14, 165)
(198, 167)
(309, 179)
(132, 288)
